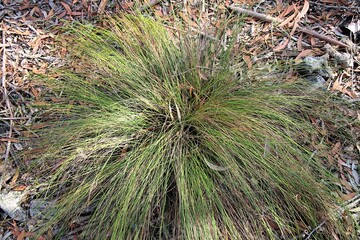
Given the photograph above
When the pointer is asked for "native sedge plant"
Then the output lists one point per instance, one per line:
(164, 136)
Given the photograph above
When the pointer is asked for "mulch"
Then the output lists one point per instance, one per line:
(325, 29)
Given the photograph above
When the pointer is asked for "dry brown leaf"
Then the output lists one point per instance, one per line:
(38, 71)
(19, 188)
(15, 31)
(127, 5)
(299, 43)
(76, 13)
(158, 13)
(84, 3)
(299, 16)
(15, 177)
(49, 15)
(35, 43)
(37, 11)
(282, 45)
(66, 6)
(312, 41)
(287, 10)
(24, 235)
(335, 150)
(337, 86)
(288, 20)
(305, 53)
(187, 20)
(346, 185)
(349, 196)
(248, 61)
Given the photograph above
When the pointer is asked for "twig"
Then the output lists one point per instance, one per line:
(7, 101)
(149, 5)
(14, 118)
(322, 37)
(314, 230)
(102, 6)
(277, 20)
(254, 14)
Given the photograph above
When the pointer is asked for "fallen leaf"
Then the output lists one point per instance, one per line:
(349, 196)
(287, 10)
(248, 61)
(67, 7)
(335, 150)
(299, 43)
(187, 20)
(287, 20)
(312, 41)
(24, 235)
(76, 13)
(282, 45)
(305, 53)
(127, 5)
(19, 188)
(337, 86)
(38, 71)
(15, 177)
(300, 15)
(346, 185)
(49, 15)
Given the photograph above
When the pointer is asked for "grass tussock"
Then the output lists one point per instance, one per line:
(164, 138)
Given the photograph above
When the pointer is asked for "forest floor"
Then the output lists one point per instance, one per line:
(325, 35)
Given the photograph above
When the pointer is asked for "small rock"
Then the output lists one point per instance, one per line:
(344, 59)
(315, 70)
(10, 203)
(315, 66)
(317, 81)
(37, 208)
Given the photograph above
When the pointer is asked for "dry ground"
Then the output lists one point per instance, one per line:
(287, 30)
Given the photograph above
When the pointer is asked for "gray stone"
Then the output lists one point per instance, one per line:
(10, 203)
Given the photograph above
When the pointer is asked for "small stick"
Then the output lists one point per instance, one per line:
(254, 14)
(14, 118)
(277, 20)
(314, 230)
(7, 101)
(322, 37)
(102, 6)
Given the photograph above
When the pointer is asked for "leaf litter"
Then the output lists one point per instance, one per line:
(30, 47)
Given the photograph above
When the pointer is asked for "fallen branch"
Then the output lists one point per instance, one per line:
(322, 37)
(277, 20)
